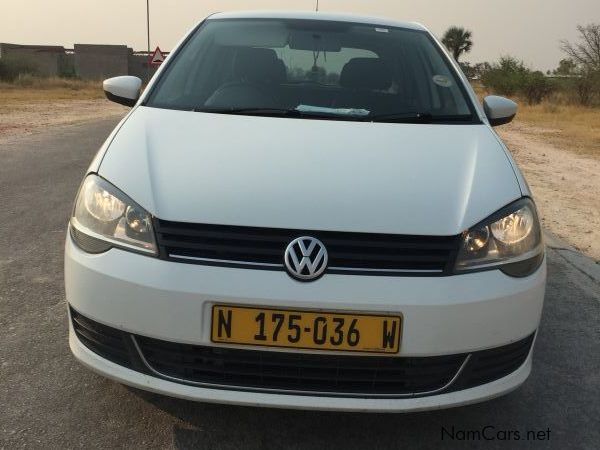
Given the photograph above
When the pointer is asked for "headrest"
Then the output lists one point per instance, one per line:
(281, 71)
(366, 73)
(258, 65)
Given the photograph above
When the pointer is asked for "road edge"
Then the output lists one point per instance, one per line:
(572, 256)
(8, 140)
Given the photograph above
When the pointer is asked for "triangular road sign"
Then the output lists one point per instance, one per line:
(157, 57)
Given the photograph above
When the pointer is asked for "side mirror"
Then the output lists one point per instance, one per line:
(124, 90)
(499, 110)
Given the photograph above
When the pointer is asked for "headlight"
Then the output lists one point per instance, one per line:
(510, 240)
(104, 217)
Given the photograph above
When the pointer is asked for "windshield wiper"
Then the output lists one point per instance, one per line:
(276, 112)
(408, 117)
(418, 117)
(271, 112)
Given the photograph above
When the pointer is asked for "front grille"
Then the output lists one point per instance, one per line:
(300, 373)
(349, 253)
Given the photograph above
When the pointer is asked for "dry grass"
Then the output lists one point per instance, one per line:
(572, 127)
(27, 90)
(558, 121)
(30, 104)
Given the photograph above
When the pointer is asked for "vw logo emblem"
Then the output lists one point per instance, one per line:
(305, 258)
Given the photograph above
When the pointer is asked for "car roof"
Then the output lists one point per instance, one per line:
(312, 15)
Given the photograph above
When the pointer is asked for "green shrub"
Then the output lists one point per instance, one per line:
(507, 77)
(535, 87)
(510, 77)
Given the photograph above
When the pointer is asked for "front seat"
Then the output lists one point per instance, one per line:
(258, 65)
(256, 76)
(366, 81)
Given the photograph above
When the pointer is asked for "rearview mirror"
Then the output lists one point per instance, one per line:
(124, 90)
(313, 41)
(499, 110)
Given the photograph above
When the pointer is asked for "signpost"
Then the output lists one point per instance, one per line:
(156, 58)
(148, 34)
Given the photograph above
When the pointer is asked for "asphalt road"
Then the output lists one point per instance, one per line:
(48, 400)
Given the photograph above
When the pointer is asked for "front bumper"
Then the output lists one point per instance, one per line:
(170, 301)
(234, 397)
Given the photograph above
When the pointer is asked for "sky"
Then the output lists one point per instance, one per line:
(530, 30)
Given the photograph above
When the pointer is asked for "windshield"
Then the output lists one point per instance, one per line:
(304, 68)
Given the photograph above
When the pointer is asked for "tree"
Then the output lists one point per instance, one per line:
(565, 67)
(467, 69)
(586, 55)
(474, 71)
(586, 52)
(481, 68)
(458, 41)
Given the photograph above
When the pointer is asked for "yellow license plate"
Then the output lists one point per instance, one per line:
(313, 330)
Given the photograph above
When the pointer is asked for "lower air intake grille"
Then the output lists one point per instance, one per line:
(300, 371)
(107, 342)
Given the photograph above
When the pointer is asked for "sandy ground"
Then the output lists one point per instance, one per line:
(24, 119)
(566, 186)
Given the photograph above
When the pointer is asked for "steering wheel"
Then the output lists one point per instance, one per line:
(238, 94)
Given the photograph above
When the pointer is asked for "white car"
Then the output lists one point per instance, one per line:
(307, 210)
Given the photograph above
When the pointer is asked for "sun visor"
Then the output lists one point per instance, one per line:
(255, 34)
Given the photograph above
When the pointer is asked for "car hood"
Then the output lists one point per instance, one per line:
(421, 179)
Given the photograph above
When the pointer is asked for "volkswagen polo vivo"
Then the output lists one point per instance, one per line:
(307, 210)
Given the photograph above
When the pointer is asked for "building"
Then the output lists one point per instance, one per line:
(47, 60)
(86, 61)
